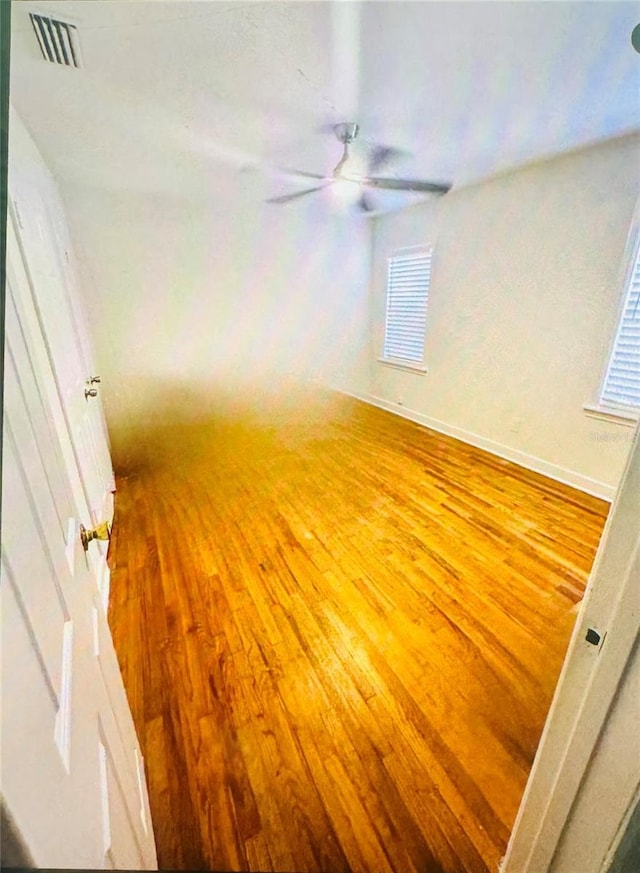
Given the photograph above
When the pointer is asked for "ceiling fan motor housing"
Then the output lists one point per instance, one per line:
(347, 131)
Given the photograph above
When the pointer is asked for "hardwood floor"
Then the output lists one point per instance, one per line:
(340, 634)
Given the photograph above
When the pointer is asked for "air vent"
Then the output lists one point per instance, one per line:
(58, 40)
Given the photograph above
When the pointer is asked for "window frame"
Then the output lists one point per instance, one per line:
(427, 250)
(603, 409)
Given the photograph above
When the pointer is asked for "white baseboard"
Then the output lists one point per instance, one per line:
(522, 459)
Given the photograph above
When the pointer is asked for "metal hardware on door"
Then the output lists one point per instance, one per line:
(99, 532)
(593, 636)
(93, 379)
(90, 392)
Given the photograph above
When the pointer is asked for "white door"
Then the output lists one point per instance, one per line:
(585, 780)
(43, 240)
(72, 774)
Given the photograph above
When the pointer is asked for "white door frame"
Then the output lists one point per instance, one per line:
(587, 703)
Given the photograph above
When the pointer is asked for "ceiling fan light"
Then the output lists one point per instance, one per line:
(345, 192)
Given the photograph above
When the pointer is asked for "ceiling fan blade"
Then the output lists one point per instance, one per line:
(403, 184)
(365, 203)
(302, 173)
(285, 198)
(381, 155)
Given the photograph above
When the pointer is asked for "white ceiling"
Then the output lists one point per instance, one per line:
(183, 98)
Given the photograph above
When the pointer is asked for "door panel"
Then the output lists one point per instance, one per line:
(43, 241)
(69, 443)
(94, 424)
(27, 323)
(70, 757)
(49, 778)
(123, 847)
(55, 810)
(44, 609)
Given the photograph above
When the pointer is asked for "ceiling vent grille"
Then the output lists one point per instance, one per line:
(58, 40)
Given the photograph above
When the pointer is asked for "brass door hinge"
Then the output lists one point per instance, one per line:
(99, 532)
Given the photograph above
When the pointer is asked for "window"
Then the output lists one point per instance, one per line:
(408, 279)
(621, 388)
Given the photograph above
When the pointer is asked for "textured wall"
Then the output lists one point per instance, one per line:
(525, 291)
(190, 303)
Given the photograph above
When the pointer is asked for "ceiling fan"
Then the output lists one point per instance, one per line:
(346, 132)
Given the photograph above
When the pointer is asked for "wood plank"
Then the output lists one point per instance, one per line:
(340, 633)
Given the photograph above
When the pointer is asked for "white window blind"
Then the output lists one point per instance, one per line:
(622, 382)
(408, 279)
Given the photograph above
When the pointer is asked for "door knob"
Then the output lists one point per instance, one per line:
(90, 392)
(99, 532)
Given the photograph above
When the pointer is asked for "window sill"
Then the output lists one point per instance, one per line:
(625, 417)
(403, 365)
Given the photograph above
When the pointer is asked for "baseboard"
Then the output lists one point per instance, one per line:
(522, 459)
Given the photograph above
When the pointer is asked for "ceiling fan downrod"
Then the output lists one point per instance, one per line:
(345, 132)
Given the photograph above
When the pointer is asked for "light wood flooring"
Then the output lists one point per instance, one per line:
(339, 634)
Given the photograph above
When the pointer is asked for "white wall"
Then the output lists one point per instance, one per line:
(226, 298)
(525, 292)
